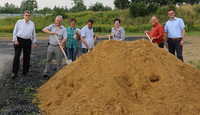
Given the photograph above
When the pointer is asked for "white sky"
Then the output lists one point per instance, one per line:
(60, 3)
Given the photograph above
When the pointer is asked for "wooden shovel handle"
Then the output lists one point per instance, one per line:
(92, 44)
(61, 47)
(148, 37)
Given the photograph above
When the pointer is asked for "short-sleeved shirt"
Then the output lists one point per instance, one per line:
(158, 32)
(88, 34)
(119, 34)
(61, 33)
(71, 43)
(174, 28)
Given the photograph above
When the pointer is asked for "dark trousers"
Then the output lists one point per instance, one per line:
(161, 45)
(24, 44)
(174, 45)
(71, 53)
(84, 50)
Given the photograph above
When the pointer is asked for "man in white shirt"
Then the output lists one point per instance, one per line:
(87, 36)
(23, 32)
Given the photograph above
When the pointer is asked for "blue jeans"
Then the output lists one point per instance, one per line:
(84, 50)
(174, 45)
(71, 53)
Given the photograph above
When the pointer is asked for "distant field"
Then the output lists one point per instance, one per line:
(2, 17)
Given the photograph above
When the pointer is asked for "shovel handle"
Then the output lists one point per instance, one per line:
(61, 47)
(92, 44)
(148, 37)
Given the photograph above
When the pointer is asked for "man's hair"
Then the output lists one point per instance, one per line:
(91, 21)
(28, 12)
(155, 16)
(171, 10)
(59, 16)
(72, 19)
(117, 20)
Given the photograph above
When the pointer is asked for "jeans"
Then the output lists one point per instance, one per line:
(84, 50)
(174, 45)
(71, 53)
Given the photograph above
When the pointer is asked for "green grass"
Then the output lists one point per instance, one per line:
(198, 65)
(190, 62)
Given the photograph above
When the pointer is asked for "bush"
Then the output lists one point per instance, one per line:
(138, 9)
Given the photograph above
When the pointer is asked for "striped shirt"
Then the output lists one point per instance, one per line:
(71, 43)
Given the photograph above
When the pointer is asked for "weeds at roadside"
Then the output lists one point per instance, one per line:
(198, 65)
(190, 62)
(42, 61)
(2, 111)
(30, 93)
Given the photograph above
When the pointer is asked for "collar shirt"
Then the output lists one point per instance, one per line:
(174, 28)
(61, 33)
(25, 30)
(119, 34)
(158, 32)
(88, 35)
(71, 43)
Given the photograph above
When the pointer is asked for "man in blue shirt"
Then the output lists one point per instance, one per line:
(87, 36)
(175, 34)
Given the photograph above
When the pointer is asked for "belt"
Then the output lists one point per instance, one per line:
(54, 45)
(23, 38)
(175, 39)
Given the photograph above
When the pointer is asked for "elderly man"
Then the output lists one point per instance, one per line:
(175, 34)
(157, 32)
(87, 36)
(23, 32)
(53, 48)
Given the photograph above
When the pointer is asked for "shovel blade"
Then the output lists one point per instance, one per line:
(68, 62)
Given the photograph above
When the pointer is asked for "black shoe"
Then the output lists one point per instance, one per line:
(13, 75)
(45, 75)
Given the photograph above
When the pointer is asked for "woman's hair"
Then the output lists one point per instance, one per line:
(117, 20)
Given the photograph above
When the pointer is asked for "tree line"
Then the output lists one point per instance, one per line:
(32, 6)
(137, 7)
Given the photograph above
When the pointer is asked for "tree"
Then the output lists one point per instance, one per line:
(59, 11)
(9, 8)
(45, 11)
(121, 4)
(99, 7)
(78, 6)
(30, 5)
(138, 9)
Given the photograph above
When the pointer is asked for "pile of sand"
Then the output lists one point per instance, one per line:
(120, 77)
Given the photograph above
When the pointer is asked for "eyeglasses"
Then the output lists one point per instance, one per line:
(28, 15)
(170, 13)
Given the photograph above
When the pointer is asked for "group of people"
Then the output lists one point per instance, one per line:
(24, 36)
(173, 33)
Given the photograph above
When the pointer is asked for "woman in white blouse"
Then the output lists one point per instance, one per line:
(117, 32)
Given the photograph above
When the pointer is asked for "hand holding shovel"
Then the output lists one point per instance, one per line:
(148, 37)
(67, 61)
(92, 43)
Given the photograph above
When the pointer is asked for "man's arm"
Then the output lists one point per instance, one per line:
(160, 33)
(83, 40)
(183, 37)
(47, 31)
(165, 37)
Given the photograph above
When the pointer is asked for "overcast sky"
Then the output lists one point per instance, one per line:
(60, 3)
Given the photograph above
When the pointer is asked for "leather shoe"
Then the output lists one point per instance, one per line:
(45, 75)
(13, 75)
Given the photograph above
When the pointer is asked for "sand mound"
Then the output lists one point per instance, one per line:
(120, 77)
